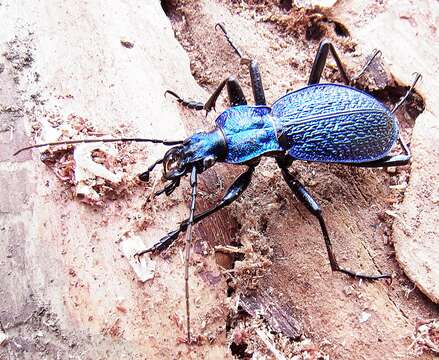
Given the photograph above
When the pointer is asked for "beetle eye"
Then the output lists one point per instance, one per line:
(173, 164)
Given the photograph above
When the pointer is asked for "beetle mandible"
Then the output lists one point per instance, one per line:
(325, 123)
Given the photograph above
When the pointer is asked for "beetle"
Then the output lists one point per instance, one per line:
(326, 123)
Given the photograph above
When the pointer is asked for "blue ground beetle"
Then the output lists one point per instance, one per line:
(325, 123)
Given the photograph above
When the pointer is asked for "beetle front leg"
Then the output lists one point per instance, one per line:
(255, 74)
(305, 197)
(232, 193)
(234, 91)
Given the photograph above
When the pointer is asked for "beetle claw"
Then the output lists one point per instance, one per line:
(140, 253)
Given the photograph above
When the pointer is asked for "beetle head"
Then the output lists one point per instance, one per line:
(201, 150)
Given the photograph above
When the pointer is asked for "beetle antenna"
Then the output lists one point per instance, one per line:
(409, 91)
(84, 141)
(193, 183)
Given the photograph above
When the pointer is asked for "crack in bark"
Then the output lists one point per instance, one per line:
(398, 309)
(372, 258)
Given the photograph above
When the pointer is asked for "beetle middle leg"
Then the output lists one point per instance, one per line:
(232, 193)
(320, 62)
(305, 197)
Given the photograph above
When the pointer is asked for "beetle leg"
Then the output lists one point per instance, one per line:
(210, 103)
(235, 49)
(232, 193)
(255, 74)
(234, 90)
(401, 159)
(366, 65)
(305, 197)
(190, 104)
(409, 91)
(387, 161)
(258, 90)
(145, 175)
(320, 62)
(169, 188)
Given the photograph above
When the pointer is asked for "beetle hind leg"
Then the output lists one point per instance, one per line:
(305, 197)
(401, 159)
(325, 48)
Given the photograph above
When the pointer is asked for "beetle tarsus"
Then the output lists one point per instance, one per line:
(164, 242)
(409, 91)
(375, 54)
(145, 175)
(361, 275)
(190, 104)
(169, 188)
(161, 245)
(226, 35)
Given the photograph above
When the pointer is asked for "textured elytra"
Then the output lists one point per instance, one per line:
(334, 123)
(322, 122)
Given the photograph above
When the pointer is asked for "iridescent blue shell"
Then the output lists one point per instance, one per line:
(322, 122)
(334, 123)
(249, 132)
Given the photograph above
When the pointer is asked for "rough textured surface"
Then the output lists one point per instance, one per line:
(69, 291)
(417, 226)
(345, 318)
(416, 231)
